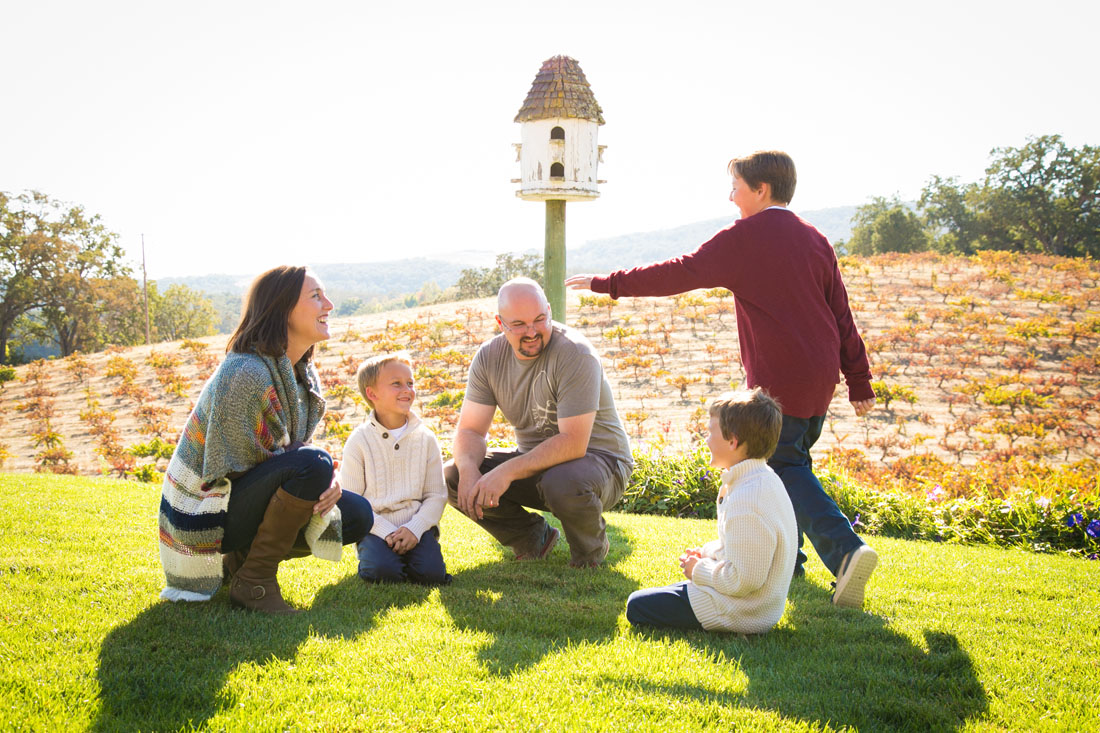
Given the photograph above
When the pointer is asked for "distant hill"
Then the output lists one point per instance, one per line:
(379, 280)
(630, 250)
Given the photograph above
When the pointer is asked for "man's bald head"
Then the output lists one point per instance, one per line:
(519, 292)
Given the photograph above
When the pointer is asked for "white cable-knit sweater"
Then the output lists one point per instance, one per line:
(741, 582)
(402, 479)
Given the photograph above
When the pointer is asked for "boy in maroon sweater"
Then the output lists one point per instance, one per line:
(797, 336)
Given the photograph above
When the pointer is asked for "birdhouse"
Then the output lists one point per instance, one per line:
(560, 120)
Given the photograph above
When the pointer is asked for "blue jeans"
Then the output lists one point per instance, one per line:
(665, 607)
(817, 514)
(305, 473)
(422, 564)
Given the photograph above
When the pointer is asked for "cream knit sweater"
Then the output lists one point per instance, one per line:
(402, 479)
(741, 582)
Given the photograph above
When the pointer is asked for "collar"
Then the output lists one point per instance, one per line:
(378, 427)
(749, 466)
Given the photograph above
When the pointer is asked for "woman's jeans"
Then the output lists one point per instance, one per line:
(305, 473)
(817, 514)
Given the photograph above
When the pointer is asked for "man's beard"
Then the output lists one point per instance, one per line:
(533, 346)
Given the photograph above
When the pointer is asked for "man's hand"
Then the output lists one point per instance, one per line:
(580, 282)
(467, 480)
(862, 407)
(490, 488)
(402, 540)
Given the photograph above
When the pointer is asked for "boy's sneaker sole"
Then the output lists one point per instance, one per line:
(854, 573)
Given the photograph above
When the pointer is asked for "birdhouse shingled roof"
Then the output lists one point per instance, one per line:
(560, 90)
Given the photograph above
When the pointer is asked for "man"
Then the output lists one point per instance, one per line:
(574, 458)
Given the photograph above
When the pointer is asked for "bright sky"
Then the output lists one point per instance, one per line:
(239, 135)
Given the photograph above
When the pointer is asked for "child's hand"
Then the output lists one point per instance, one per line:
(579, 282)
(688, 561)
(862, 407)
(402, 540)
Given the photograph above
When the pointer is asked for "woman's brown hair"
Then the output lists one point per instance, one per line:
(266, 313)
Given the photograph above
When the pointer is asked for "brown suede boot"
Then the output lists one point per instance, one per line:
(231, 563)
(255, 586)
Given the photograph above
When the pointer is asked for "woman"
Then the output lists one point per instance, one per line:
(243, 480)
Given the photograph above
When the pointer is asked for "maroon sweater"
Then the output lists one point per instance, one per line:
(793, 321)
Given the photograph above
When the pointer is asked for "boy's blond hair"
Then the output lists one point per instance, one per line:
(367, 376)
(752, 416)
(773, 167)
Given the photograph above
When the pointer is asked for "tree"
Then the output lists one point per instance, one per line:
(951, 211)
(1045, 197)
(886, 225)
(86, 267)
(26, 254)
(352, 306)
(95, 312)
(479, 282)
(181, 313)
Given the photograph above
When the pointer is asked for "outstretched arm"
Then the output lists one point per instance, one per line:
(580, 282)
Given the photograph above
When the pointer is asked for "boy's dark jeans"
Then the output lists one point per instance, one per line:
(305, 473)
(817, 514)
(666, 607)
(422, 564)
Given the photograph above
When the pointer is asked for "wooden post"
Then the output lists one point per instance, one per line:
(554, 259)
(145, 288)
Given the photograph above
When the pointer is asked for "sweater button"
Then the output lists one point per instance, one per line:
(397, 446)
(385, 435)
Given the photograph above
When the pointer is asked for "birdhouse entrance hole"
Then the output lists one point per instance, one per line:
(557, 170)
(557, 133)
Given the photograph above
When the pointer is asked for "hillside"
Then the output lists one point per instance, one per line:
(980, 359)
(388, 279)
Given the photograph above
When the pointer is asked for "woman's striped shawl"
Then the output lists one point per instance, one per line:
(246, 413)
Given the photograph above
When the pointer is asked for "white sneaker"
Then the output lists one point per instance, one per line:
(852, 579)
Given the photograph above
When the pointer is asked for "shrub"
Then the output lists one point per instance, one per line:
(1054, 510)
(682, 485)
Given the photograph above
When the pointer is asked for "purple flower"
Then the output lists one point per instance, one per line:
(1094, 556)
(1093, 530)
(855, 522)
(1074, 519)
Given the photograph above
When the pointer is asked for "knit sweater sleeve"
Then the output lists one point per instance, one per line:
(748, 547)
(853, 354)
(434, 490)
(707, 267)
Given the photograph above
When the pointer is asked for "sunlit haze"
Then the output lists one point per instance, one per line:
(240, 135)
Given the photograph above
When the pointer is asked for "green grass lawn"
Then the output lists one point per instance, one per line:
(952, 637)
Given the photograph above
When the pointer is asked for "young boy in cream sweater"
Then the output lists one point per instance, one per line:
(738, 582)
(393, 460)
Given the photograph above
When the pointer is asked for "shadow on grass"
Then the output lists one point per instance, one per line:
(530, 609)
(166, 669)
(841, 667)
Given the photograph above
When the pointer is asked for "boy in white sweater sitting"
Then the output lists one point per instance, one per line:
(393, 460)
(738, 582)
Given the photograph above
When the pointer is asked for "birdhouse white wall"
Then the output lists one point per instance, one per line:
(559, 159)
(560, 120)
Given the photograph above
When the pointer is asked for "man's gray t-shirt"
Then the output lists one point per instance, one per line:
(565, 380)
